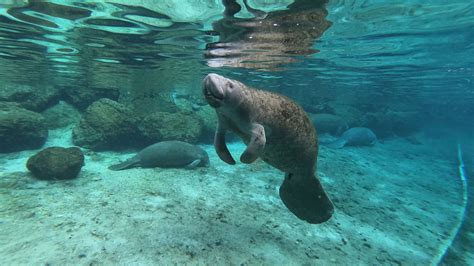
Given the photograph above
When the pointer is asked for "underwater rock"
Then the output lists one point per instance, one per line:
(56, 163)
(328, 123)
(405, 123)
(356, 136)
(32, 98)
(320, 108)
(82, 97)
(61, 115)
(167, 154)
(20, 129)
(390, 123)
(106, 124)
(160, 126)
(384, 122)
(352, 115)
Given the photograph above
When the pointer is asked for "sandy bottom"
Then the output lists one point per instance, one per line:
(396, 203)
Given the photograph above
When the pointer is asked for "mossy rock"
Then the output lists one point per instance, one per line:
(106, 124)
(160, 126)
(32, 98)
(56, 163)
(81, 98)
(20, 129)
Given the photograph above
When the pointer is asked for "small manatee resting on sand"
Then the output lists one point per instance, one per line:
(356, 136)
(167, 154)
(277, 130)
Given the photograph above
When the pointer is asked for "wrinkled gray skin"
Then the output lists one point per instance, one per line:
(356, 136)
(167, 154)
(279, 132)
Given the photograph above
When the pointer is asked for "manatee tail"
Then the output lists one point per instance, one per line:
(305, 197)
(130, 163)
(337, 144)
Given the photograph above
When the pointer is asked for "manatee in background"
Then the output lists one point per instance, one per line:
(356, 136)
(166, 154)
(279, 132)
(328, 123)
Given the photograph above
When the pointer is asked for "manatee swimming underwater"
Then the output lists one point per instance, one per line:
(356, 136)
(166, 154)
(277, 130)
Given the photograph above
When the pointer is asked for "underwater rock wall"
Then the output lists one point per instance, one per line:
(106, 124)
(123, 120)
(20, 129)
(34, 98)
(100, 122)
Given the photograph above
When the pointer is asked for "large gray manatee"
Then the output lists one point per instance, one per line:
(166, 154)
(356, 136)
(279, 132)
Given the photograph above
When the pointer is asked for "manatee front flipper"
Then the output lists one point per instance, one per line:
(130, 163)
(220, 145)
(305, 197)
(337, 144)
(256, 145)
(193, 164)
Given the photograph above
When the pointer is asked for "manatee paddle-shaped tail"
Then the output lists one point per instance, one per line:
(337, 144)
(130, 163)
(305, 197)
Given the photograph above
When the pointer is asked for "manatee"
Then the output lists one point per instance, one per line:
(328, 123)
(278, 131)
(166, 154)
(356, 136)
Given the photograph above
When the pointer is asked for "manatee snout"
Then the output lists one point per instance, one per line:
(213, 90)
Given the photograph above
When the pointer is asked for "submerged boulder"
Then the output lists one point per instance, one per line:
(56, 163)
(161, 126)
(328, 123)
(391, 123)
(106, 124)
(82, 97)
(32, 98)
(20, 129)
(351, 114)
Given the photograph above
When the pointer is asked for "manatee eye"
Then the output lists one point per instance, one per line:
(231, 85)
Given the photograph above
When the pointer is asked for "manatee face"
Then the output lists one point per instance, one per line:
(220, 91)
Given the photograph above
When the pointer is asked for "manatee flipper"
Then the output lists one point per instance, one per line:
(130, 163)
(256, 145)
(337, 144)
(220, 145)
(305, 197)
(193, 164)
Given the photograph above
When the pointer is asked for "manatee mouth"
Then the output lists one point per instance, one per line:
(212, 93)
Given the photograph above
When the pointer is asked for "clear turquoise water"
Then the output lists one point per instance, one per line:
(385, 57)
